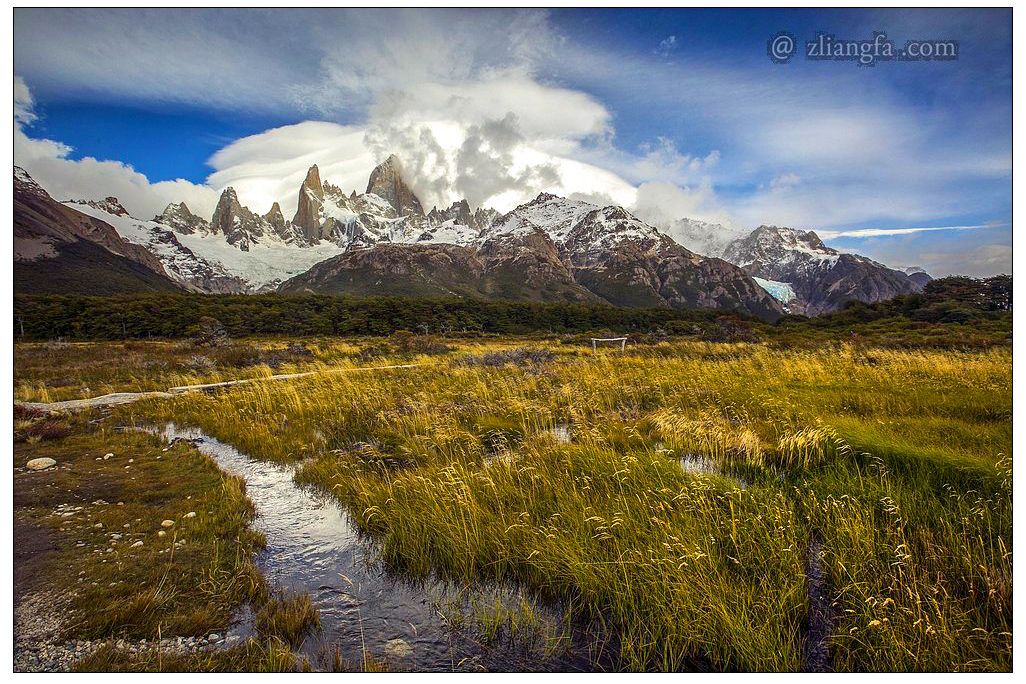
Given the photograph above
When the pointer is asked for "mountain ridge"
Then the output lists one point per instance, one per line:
(549, 248)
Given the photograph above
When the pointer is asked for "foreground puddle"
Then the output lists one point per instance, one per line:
(313, 547)
(703, 465)
(820, 621)
(694, 463)
(561, 432)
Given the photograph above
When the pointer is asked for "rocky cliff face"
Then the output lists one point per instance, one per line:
(396, 270)
(240, 226)
(308, 208)
(110, 205)
(823, 279)
(276, 219)
(386, 181)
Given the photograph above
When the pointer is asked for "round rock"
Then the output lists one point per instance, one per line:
(40, 464)
(398, 648)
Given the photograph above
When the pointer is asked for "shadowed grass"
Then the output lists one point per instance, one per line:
(288, 618)
(251, 656)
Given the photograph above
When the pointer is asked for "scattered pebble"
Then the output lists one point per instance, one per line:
(38, 647)
(167, 523)
(137, 544)
(190, 514)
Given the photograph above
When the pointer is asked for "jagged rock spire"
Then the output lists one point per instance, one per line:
(386, 181)
(239, 225)
(275, 217)
(308, 208)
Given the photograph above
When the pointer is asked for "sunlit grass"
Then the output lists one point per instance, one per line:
(896, 460)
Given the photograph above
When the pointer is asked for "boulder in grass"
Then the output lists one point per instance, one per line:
(40, 464)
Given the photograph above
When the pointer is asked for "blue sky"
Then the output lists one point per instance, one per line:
(670, 112)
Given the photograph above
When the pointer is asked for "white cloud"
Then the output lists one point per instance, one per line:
(786, 180)
(48, 162)
(662, 203)
(477, 104)
(491, 164)
(454, 93)
(208, 57)
(666, 46)
(663, 161)
(880, 232)
(24, 113)
(270, 166)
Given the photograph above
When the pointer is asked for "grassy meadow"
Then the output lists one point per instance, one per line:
(130, 539)
(712, 506)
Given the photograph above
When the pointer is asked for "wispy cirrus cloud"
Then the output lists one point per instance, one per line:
(882, 232)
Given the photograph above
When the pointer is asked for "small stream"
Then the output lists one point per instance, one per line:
(313, 547)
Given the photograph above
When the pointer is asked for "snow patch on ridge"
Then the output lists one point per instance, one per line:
(207, 254)
(265, 263)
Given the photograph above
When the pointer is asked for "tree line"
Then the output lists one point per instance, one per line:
(43, 317)
(177, 315)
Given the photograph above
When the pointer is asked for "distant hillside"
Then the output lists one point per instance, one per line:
(58, 249)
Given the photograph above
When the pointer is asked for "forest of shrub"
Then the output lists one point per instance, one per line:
(957, 311)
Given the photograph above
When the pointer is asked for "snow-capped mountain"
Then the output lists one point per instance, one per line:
(178, 217)
(238, 250)
(820, 278)
(182, 264)
(58, 249)
(382, 241)
(771, 248)
(242, 228)
(552, 249)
